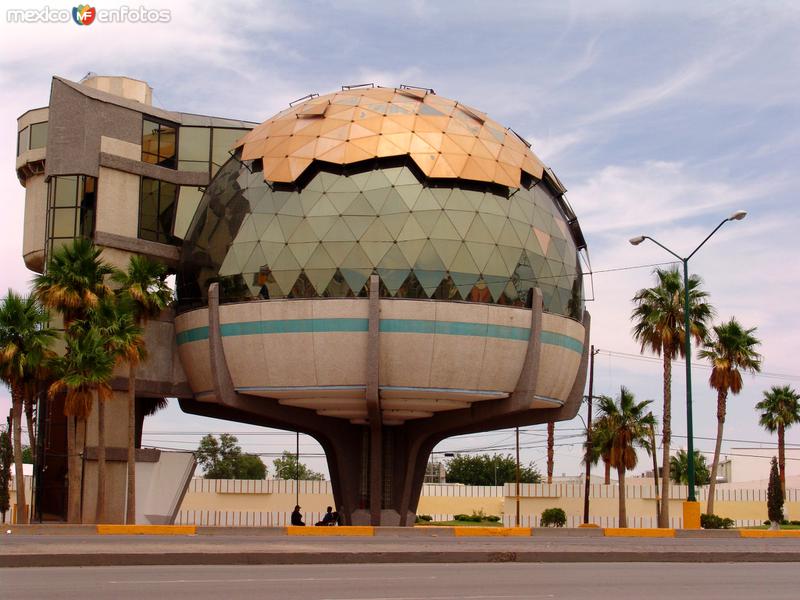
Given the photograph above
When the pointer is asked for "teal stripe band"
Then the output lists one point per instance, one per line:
(503, 332)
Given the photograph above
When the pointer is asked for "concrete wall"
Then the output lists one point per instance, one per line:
(261, 503)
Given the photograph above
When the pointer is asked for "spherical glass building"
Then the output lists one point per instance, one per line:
(383, 268)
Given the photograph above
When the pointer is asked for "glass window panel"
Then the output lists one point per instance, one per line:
(195, 144)
(66, 191)
(188, 201)
(222, 141)
(64, 222)
(38, 135)
(23, 140)
(167, 138)
(149, 141)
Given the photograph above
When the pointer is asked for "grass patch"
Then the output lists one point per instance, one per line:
(783, 527)
(461, 524)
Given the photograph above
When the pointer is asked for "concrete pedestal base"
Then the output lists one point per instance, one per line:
(691, 515)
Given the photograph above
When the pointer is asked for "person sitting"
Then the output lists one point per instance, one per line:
(297, 517)
(330, 518)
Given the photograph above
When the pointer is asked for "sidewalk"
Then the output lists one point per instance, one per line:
(80, 546)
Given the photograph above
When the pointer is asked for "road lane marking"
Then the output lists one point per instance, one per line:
(264, 580)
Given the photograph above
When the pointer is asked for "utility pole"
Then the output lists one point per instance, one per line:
(590, 398)
(516, 521)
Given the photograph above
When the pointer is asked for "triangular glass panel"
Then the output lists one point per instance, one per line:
(461, 220)
(426, 201)
(427, 220)
(356, 278)
(464, 263)
(447, 290)
(261, 222)
(341, 200)
(494, 224)
(358, 225)
(377, 198)
(302, 252)
(429, 259)
(394, 223)
(496, 285)
(510, 256)
(376, 232)
(320, 278)
(303, 233)
(323, 207)
(376, 250)
(344, 185)
(464, 282)
(288, 224)
(480, 292)
(338, 287)
(256, 261)
(360, 207)
(480, 252)
(321, 225)
(292, 206)
(339, 250)
(509, 237)
(411, 249)
(308, 200)
(447, 250)
(496, 266)
(411, 288)
(247, 231)
(271, 251)
(444, 229)
(430, 280)
(376, 180)
(285, 280)
(411, 231)
(440, 194)
(491, 206)
(394, 204)
(478, 232)
(392, 279)
(339, 233)
(274, 232)
(394, 259)
(286, 261)
(302, 288)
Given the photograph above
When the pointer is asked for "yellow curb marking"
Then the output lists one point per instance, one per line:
(345, 531)
(765, 533)
(645, 533)
(492, 531)
(146, 529)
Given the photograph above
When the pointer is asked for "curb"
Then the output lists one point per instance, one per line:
(330, 558)
(640, 533)
(350, 531)
(146, 529)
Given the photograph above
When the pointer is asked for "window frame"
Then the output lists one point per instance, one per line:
(162, 123)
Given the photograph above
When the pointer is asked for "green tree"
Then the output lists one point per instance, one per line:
(73, 283)
(679, 469)
(24, 346)
(144, 285)
(6, 460)
(27, 455)
(287, 467)
(629, 429)
(223, 459)
(489, 469)
(730, 349)
(775, 496)
(780, 409)
(658, 325)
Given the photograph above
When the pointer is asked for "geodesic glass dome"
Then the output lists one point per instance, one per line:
(271, 228)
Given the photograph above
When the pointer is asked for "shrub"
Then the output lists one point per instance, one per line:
(715, 522)
(496, 519)
(553, 517)
(794, 522)
(426, 518)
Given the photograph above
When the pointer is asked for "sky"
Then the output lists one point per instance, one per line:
(661, 119)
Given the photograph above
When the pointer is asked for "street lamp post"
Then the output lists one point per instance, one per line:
(737, 216)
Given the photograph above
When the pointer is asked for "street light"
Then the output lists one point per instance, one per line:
(737, 216)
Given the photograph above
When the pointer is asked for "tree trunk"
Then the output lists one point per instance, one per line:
(130, 503)
(80, 454)
(712, 486)
(782, 459)
(655, 470)
(663, 518)
(551, 436)
(16, 409)
(73, 472)
(28, 402)
(623, 517)
(100, 512)
(608, 472)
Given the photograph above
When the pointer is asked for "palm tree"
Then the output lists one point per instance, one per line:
(730, 349)
(144, 285)
(658, 324)
(780, 409)
(551, 437)
(73, 283)
(114, 321)
(74, 280)
(84, 370)
(679, 468)
(601, 446)
(24, 345)
(628, 426)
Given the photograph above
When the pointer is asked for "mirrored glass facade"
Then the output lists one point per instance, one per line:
(71, 205)
(159, 143)
(157, 204)
(325, 235)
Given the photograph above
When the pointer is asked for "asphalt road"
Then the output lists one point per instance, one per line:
(408, 582)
